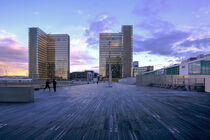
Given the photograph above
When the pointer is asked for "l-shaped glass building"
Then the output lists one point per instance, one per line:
(49, 55)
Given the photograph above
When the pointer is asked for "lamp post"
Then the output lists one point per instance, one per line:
(110, 73)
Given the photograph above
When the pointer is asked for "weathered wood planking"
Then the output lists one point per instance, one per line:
(97, 112)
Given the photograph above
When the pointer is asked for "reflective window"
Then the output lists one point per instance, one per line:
(205, 67)
(195, 68)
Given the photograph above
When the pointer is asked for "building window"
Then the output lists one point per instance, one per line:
(195, 68)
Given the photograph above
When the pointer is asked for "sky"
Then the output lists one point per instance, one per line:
(165, 32)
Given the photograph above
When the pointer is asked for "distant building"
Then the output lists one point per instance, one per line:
(140, 70)
(135, 64)
(114, 41)
(121, 53)
(127, 31)
(48, 55)
(87, 75)
(199, 65)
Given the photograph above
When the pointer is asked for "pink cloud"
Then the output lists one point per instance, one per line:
(13, 57)
(13, 69)
(12, 51)
(80, 59)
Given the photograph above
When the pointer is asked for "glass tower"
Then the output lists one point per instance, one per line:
(48, 55)
(121, 47)
(61, 55)
(38, 42)
(127, 31)
(114, 41)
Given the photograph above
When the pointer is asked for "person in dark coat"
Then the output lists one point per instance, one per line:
(54, 85)
(47, 85)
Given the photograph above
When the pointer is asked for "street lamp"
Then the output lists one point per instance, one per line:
(110, 73)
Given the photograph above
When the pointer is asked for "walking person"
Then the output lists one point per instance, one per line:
(98, 79)
(47, 85)
(54, 85)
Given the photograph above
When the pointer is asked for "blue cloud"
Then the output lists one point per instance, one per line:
(100, 24)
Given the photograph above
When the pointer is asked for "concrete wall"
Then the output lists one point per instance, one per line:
(183, 68)
(129, 81)
(174, 80)
(207, 84)
(16, 94)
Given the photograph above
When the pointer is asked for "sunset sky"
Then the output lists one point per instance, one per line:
(165, 31)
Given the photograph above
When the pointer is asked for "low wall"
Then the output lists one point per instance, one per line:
(207, 84)
(129, 80)
(174, 81)
(16, 94)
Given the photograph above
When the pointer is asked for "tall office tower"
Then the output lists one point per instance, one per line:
(46, 55)
(114, 41)
(127, 31)
(62, 43)
(50, 58)
(121, 45)
(38, 42)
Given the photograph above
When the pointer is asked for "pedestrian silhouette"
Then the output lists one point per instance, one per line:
(54, 85)
(47, 85)
(98, 79)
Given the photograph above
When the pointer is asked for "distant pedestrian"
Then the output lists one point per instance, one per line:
(47, 85)
(98, 79)
(54, 85)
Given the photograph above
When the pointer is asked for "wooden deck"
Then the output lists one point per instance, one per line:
(124, 112)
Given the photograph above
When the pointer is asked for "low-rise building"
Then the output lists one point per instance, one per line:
(199, 65)
(172, 70)
(87, 75)
(140, 70)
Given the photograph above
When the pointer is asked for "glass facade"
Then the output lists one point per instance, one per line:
(194, 68)
(61, 56)
(205, 67)
(121, 45)
(172, 70)
(116, 48)
(51, 58)
(116, 67)
(200, 68)
(48, 55)
(38, 43)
